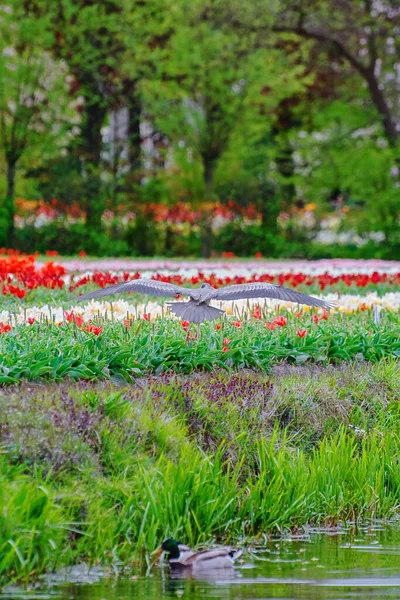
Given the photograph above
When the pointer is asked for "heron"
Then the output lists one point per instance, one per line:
(198, 309)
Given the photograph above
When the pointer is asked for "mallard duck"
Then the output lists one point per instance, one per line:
(181, 556)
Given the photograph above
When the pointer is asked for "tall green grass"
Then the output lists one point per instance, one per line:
(116, 470)
(32, 524)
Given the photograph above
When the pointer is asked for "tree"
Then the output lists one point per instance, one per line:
(87, 37)
(364, 34)
(34, 106)
(212, 80)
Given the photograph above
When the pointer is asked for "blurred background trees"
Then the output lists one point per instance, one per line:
(200, 126)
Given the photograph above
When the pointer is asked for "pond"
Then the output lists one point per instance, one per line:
(343, 562)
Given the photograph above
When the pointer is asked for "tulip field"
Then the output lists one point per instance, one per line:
(46, 334)
(121, 424)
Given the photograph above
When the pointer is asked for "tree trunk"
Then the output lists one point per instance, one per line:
(284, 159)
(90, 153)
(134, 138)
(207, 214)
(286, 168)
(9, 236)
(382, 107)
(270, 209)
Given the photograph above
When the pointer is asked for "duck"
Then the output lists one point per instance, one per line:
(180, 556)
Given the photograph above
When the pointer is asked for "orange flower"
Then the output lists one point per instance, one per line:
(302, 332)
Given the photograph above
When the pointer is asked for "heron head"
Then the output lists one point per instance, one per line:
(205, 285)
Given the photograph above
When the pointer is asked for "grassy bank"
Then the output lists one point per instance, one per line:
(103, 473)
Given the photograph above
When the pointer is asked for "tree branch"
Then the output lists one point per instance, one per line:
(324, 37)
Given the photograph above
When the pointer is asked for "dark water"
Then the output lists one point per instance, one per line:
(343, 563)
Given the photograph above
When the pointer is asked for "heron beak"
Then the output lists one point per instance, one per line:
(157, 552)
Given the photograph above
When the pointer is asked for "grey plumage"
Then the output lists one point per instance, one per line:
(197, 310)
(189, 311)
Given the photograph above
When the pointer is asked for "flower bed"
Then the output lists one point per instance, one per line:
(44, 333)
(103, 349)
(20, 274)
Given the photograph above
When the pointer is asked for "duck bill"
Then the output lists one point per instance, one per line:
(157, 552)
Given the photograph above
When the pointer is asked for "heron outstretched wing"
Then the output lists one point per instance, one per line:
(268, 290)
(143, 286)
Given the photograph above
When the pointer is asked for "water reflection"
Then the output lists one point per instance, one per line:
(342, 563)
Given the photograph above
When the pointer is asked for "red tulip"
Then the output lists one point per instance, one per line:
(94, 329)
(79, 320)
(281, 321)
(5, 327)
(302, 332)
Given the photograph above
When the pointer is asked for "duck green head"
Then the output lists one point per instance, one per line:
(170, 546)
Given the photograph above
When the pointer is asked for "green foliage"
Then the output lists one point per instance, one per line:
(34, 105)
(53, 352)
(355, 161)
(32, 526)
(220, 100)
(118, 468)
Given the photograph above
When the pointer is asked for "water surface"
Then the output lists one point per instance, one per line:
(342, 563)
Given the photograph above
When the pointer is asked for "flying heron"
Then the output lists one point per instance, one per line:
(198, 309)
